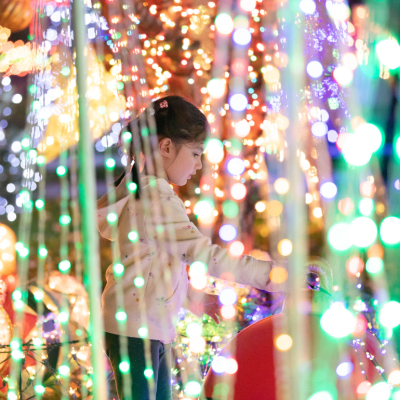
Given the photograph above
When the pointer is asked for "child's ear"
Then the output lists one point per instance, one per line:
(165, 147)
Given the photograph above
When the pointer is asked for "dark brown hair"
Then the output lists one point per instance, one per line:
(176, 118)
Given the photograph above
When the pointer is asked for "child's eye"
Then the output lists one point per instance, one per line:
(198, 155)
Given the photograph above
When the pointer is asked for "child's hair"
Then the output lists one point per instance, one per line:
(176, 118)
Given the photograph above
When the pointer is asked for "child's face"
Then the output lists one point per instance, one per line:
(185, 160)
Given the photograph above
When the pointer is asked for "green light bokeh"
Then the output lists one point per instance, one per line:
(230, 209)
(374, 265)
(390, 230)
(366, 207)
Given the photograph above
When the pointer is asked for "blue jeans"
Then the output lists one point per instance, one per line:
(161, 364)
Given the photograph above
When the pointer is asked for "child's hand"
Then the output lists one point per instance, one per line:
(211, 307)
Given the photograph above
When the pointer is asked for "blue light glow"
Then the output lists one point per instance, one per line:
(241, 36)
(228, 297)
(235, 166)
(344, 369)
(227, 232)
(319, 129)
(238, 102)
(315, 69)
(332, 136)
(219, 364)
(328, 190)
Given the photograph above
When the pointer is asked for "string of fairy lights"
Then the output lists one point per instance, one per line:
(248, 93)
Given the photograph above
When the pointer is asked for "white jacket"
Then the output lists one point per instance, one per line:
(162, 262)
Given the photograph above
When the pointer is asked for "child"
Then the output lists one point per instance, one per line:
(161, 255)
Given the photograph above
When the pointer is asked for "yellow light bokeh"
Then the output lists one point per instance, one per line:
(278, 275)
(317, 212)
(274, 208)
(271, 74)
(281, 185)
(285, 247)
(260, 206)
(283, 342)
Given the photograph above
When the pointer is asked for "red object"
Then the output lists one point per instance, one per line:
(257, 357)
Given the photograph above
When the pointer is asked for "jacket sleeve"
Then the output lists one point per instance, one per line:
(183, 240)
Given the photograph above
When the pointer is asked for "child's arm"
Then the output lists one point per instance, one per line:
(192, 246)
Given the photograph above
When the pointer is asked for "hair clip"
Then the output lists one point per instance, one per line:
(163, 104)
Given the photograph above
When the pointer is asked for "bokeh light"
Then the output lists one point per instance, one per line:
(197, 269)
(346, 206)
(260, 206)
(363, 388)
(355, 266)
(278, 275)
(344, 369)
(394, 378)
(308, 6)
(389, 315)
(197, 345)
(339, 236)
(271, 74)
(192, 388)
(238, 191)
(366, 207)
(363, 232)
(238, 102)
(374, 265)
(242, 128)
(194, 330)
(227, 297)
(235, 166)
(216, 88)
(390, 230)
(328, 190)
(228, 312)
(323, 395)
(388, 52)
(219, 364)
(379, 391)
(370, 134)
(248, 5)
(319, 129)
(350, 61)
(224, 23)
(337, 10)
(203, 208)
(315, 69)
(285, 247)
(241, 36)
(337, 321)
(236, 249)
(281, 185)
(231, 364)
(214, 151)
(343, 76)
(230, 209)
(367, 189)
(274, 208)
(199, 282)
(283, 342)
(227, 232)
(396, 145)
